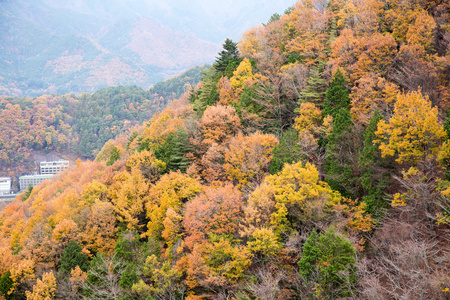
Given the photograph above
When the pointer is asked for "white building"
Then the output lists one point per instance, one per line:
(53, 167)
(5, 185)
(33, 180)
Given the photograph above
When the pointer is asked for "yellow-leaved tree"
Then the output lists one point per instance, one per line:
(293, 197)
(166, 198)
(128, 195)
(247, 158)
(44, 289)
(413, 133)
(243, 76)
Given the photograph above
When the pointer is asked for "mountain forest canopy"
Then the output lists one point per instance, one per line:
(310, 162)
(79, 126)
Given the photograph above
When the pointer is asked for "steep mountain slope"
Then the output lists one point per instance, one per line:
(311, 162)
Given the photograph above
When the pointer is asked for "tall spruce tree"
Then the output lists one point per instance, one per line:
(337, 96)
(328, 260)
(172, 151)
(316, 86)
(341, 144)
(374, 168)
(73, 257)
(181, 146)
(208, 94)
(228, 59)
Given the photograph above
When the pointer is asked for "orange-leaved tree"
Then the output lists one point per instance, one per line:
(219, 123)
(215, 211)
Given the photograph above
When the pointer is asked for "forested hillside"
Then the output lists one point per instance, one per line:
(310, 162)
(78, 126)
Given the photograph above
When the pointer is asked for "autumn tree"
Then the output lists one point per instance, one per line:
(44, 288)
(413, 133)
(128, 194)
(216, 265)
(219, 123)
(305, 31)
(372, 93)
(160, 126)
(162, 280)
(294, 79)
(247, 158)
(215, 211)
(212, 164)
(313, 131)
(242, 77)
(99, 233)
(165, 203)
(293, 199)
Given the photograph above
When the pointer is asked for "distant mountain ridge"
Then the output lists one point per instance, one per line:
(58, 47)
(39, 58)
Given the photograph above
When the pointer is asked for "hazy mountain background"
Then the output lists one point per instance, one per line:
(54, 46)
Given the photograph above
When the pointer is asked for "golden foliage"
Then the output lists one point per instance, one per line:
(99, 233)
(215, 211)
(128, 195)
(171, 191)
(265, 242)
(44, 289)
(293, 194)
(247, 158)
(216, 263)
(414, 131)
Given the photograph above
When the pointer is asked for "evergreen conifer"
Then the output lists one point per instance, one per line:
(73, 257)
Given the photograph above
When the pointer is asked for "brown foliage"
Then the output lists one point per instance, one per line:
(215, 211)
(218, 124)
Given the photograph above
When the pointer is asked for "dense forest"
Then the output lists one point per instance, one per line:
(78, 126)
(310, 162)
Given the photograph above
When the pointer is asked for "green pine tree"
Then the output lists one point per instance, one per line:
(286, 152)
(337, 96)
(339, 150)
(208, 94)
(229, 55)
(129, 277)
(374, 169)
(128, 246)
(342, 143)
(173, 151)
(6, 283)
(181, 146)
(329, 261)
(72, 257)
(115, 155)
(316, 86)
